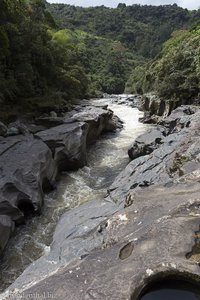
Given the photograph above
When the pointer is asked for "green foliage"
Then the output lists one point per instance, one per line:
(35, 60)
(175, 74)
(116, 46)
(142, 29)
(88, 51)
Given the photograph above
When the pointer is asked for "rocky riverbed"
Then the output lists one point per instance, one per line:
(32, 155)
(147, 228)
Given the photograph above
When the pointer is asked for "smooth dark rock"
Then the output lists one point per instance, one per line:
(155, 108)
(13, 131)
(26, 168)
(3, 129)
(68, 145)
(145, 240)
(16, 128)
(6, 229)
(168, 159)
(98, 119)
(29, 165)
(144, 230)
(147, 142)
(49, 121)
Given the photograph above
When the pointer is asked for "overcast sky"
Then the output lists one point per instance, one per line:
(190, 4)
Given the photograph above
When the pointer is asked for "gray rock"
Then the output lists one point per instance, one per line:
(49, 122)
(29, 170)
(13, 131)
(6, 229)
(68, 145)
(17, 128)
(134, 245)
(3, 129)
(155, 108)
(112, 249)
(166, 162)
(53, 114)
(147, 142)
(98, 119)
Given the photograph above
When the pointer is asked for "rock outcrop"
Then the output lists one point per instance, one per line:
(29, 163)
(155, 108)
(146, 229)
(98, 119)
(147, 142)
(68, 145)
(172, 155)
(26, 170)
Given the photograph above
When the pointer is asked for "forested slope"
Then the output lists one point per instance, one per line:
(156, 47)
(35, 68)
(175, 73)
(50, 54)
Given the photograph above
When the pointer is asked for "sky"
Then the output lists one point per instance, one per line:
(189, 4)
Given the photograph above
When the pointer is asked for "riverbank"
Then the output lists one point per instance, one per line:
(35, 156)
(146, 229)
(105, 159)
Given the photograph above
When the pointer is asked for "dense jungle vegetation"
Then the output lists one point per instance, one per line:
(50, 54)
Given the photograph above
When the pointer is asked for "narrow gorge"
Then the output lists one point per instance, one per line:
(113, 214)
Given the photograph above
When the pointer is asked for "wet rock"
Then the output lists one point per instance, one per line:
(143, 231)
(53, 114)
(155, 108)
(3, 129)
(32, 162)
(49, 122)
(13, 131)
(168, 159)
(68, 144)
(33, 128)
(98, 119)
(148, 239)
(16, 128)
(28, 171)
(179, 118)
(6, 229)
(147, 142)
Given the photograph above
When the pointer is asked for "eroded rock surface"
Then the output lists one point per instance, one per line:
(145, 229)
(147, 142)
(29, 164)
(68, 144)
(26, 167)
(175, 156)
(98, 119)
(114, 254)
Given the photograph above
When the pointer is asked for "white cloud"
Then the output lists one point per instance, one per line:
(190, 4)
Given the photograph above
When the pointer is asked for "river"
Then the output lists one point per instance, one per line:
(106, 158)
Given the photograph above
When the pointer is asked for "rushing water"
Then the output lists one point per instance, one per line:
(105, 160)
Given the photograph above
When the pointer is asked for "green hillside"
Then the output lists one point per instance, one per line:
(175, 74)
(50, 54)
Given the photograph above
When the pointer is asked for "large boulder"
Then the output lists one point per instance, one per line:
(99, 120)
(68, 144)
(147, 142)
(169, 159)
(155, 108)
(27, 169)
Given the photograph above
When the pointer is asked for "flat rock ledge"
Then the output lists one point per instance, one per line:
(30, 162)
(145, 230)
